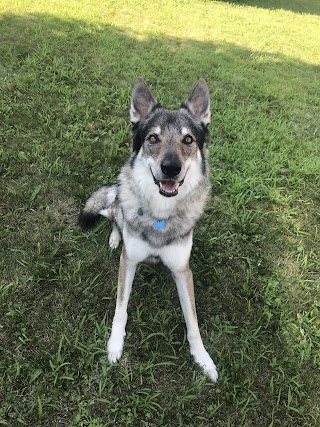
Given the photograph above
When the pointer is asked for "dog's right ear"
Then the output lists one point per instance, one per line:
(142, 102)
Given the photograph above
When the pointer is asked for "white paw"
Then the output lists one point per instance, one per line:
(203, 359)
(115, 238)
(114, 348)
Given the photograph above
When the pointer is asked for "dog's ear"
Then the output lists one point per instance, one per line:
(142, 102)
(198, 102)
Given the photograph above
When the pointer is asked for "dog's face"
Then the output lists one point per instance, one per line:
(170, 146)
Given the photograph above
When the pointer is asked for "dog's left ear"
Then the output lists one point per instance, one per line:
(142, 102)
(198, 102)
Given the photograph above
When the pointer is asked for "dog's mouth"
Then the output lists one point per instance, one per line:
(168, 187)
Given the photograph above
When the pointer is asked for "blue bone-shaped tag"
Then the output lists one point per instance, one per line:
(159, 224)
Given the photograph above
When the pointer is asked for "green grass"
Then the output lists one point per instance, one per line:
(66, 75)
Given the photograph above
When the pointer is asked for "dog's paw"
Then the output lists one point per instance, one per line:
(203, 359)
(114, 349)
(115, 238)
(211, 371)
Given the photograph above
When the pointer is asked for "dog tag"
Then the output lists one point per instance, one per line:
(140, 211)
(159, 224)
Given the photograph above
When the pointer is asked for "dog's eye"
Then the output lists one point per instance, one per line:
(153, 139)
(188, 139)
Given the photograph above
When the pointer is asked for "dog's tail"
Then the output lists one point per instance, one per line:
(98, 205)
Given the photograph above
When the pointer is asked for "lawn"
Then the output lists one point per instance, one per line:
(66, 73)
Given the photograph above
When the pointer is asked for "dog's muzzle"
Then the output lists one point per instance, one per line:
(168, 187)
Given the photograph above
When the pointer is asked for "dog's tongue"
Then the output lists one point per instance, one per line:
(168, 186)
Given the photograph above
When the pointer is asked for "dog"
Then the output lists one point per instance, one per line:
(159, 196)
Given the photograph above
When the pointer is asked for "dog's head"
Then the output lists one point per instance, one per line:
(170, 145)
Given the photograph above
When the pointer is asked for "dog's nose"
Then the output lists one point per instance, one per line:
(171, 166)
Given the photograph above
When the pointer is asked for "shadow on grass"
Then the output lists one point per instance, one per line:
(66, 86)
(310, 6)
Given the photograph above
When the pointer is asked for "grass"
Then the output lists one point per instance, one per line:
(66, 74)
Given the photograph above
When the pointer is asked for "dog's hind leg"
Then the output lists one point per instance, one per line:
(127, 270)
(115, 237)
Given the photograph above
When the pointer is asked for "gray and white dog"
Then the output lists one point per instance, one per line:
(160, 195)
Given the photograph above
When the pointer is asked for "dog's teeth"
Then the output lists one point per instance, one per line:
(169, 186)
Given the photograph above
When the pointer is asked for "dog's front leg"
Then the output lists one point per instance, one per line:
(184, 282)
(126, 275)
